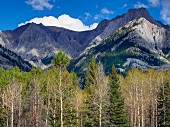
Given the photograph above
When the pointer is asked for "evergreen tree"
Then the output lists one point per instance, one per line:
(117, 112)
(91, 75)
(164, 106)
(91, 83)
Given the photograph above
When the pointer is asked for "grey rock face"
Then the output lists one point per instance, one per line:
(122, 20)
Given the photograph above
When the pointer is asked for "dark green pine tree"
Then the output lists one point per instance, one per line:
(118, 117)
(164, 106)
(91, 75)
(91, 83)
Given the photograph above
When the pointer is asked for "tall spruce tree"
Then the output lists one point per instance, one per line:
(164, 106)
(118, 117)
(91, 82)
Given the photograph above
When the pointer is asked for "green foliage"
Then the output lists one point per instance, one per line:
(164, 106)
(91, 74)
(61, 60)
(39, 101)
(116, 110)
(90, 85)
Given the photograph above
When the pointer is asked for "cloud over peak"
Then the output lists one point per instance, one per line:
(106, 11)
(40, 4)
(165, 15)
(64, 21)
(139, 5)
(154, 3)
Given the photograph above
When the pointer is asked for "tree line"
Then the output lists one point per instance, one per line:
(53, 98)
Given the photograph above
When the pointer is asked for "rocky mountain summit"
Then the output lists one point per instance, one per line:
(139, 43)
(38, 44)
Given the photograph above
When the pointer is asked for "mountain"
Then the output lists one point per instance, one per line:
(140, 43)
(135, 33)
(38, 43)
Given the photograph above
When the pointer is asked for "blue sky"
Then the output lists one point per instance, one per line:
(76, 15)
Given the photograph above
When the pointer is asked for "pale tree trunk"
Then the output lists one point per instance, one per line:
(100, 102)
(142, 109)
(61, 100)
(164, 105)
(12, 114)
(38, 109)
(35, 107)
(135, 107)
(7, 122)
(81, 119)
(77, 113)
(36, 104)
(156, 113)
(54, 114)
(11, 97)
(47, 112)
(131, 110)
(163, 99)
(138, 111)
(100, 115)
(19, 113)
(151, 103)
(135, 116)
(153, 114)
(78, 99)
(102, 93)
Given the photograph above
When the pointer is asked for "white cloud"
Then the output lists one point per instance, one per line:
(87, 16)
(154, 3)
(106, 11)
(96, 17)
(64, 21)
(40, 4)
(165, 11)
(125, 5)
(139, 5)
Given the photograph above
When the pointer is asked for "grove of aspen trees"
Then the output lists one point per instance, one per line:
(53, 97)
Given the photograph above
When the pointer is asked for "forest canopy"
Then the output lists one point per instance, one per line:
(54, 97)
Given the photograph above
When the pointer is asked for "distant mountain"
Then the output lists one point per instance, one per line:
(135, 30)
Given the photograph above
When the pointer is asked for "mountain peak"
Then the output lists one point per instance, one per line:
(141, 12)
(102, 24)
(142, 9)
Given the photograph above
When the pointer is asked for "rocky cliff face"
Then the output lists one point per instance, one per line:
(140, 43)
(122, 20)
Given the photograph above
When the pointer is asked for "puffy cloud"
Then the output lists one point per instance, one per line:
(139, 5)
(64, 21)
(165, 11)
(154, 3)
(40, 4)
(106, 11)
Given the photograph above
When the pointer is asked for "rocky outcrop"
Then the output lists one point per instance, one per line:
(122, 20)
